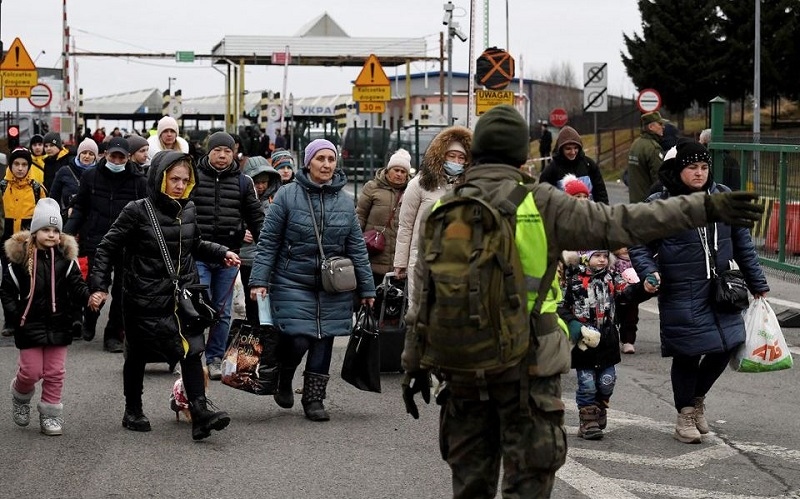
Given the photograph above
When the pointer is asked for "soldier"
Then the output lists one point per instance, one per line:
(517, 414)
(645, 157)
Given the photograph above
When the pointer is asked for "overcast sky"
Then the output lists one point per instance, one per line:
(542, 33)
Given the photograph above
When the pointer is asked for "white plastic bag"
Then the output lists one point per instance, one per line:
(764, 347)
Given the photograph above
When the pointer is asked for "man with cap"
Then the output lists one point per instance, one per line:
(104, 190)
(522, 422)
(224, 198)
(56, 156)
(645, 157)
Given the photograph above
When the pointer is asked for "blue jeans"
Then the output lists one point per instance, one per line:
(595, 386)
(320, 350)
(219, 280)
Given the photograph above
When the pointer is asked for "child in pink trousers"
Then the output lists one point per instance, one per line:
(42, 289)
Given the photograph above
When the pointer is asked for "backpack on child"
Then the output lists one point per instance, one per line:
(473, 319)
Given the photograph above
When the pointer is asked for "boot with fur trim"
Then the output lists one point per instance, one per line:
(51, 418)
(22, 406)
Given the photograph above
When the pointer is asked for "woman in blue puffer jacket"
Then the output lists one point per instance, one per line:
(287, 266)
(699, 338)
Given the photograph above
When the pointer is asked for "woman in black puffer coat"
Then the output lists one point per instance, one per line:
(699, 337)
(151, 319)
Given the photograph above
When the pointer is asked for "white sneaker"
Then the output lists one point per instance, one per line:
(628, 348)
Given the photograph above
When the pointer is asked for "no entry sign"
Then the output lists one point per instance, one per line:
(649, 100)
(41, 95)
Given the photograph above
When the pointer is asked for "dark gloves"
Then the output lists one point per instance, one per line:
(413, 383)
(734, 208)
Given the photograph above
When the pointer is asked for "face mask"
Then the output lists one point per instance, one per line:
(115, 167)
(453, 168)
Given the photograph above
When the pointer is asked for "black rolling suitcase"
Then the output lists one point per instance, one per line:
(390, 305)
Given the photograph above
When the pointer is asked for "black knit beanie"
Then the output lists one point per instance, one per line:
(218, 139)
(501, 135)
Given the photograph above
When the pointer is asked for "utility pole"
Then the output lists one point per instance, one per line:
(452, 30)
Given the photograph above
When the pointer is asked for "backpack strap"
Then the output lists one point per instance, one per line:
(3, 186)
(37, 191)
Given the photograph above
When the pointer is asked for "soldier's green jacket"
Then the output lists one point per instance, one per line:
(573, 224)
(644, 160)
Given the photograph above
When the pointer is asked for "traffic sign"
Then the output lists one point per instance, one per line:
(25, 79)
(280, 58)
(17, 58)
(558, 117)
(40, 96)
(372, 74)
(487, 99)
(372, 94)
(16, 92)
(274, 111)
(648, 100)
(184, 56)
(371, 107)
(595, 87)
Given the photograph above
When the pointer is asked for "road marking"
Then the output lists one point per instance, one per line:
(589, 482)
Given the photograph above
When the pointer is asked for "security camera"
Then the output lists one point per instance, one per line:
(448, 13)
(457, 32)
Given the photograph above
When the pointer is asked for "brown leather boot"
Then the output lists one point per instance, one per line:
(589, 428)
(700, 415)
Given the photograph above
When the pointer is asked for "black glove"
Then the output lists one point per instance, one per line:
(413, 383)
(734, 208)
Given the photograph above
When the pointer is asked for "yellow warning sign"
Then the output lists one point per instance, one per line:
(18, 59)
(372, 74)
(372, 94)
(487, 99)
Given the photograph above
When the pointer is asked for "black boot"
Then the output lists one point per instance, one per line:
(134, 419)
(204, 419)
(313, 394)
(284, 397)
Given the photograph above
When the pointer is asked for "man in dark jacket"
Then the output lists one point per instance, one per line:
(57, 156)
(103, 192)
(226, 201)
(545, 144)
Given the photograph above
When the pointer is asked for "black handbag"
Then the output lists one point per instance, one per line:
(362, 360)
(192, 301)
(729, 293)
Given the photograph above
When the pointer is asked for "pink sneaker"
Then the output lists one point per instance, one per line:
(628, 348)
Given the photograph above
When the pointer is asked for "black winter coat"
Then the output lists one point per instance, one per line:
(65, 185)
(151, 321)
(54, 163)
(47, 322)
(225, 203)
(101, 197)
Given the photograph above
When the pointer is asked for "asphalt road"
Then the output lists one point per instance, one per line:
(372, 449)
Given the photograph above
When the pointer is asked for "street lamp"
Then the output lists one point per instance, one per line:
(169, 85)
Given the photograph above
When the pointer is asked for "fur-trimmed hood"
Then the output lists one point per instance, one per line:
(433, 162)
(17, 247)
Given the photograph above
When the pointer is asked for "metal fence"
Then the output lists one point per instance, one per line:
(773, 171)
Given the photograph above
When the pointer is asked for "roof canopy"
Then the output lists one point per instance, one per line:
(321, 42)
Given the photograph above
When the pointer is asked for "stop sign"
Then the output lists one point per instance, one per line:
(558, 117)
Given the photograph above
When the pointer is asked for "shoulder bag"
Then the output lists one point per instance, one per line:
(728, 288)
(375, 239)
(192, 300)
(338, 273)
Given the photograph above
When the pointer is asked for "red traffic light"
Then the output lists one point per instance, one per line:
(13, 131)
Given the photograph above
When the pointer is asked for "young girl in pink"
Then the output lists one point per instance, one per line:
(42, 289)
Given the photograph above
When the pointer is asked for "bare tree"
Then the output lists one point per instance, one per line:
(561, 73)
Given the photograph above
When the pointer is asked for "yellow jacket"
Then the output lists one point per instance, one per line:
(36, 170)
(19, 199)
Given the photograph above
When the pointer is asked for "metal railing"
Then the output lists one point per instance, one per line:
(773, 171)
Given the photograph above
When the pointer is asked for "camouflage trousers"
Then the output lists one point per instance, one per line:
(475, 436)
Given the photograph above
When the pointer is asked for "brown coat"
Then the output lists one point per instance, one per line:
(377, 201)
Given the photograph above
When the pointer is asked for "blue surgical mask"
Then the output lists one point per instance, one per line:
(453, 168)
(115, 168)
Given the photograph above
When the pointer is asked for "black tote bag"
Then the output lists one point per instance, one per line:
(362, 360)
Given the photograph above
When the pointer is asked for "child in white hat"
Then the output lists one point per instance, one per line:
(41, 292)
